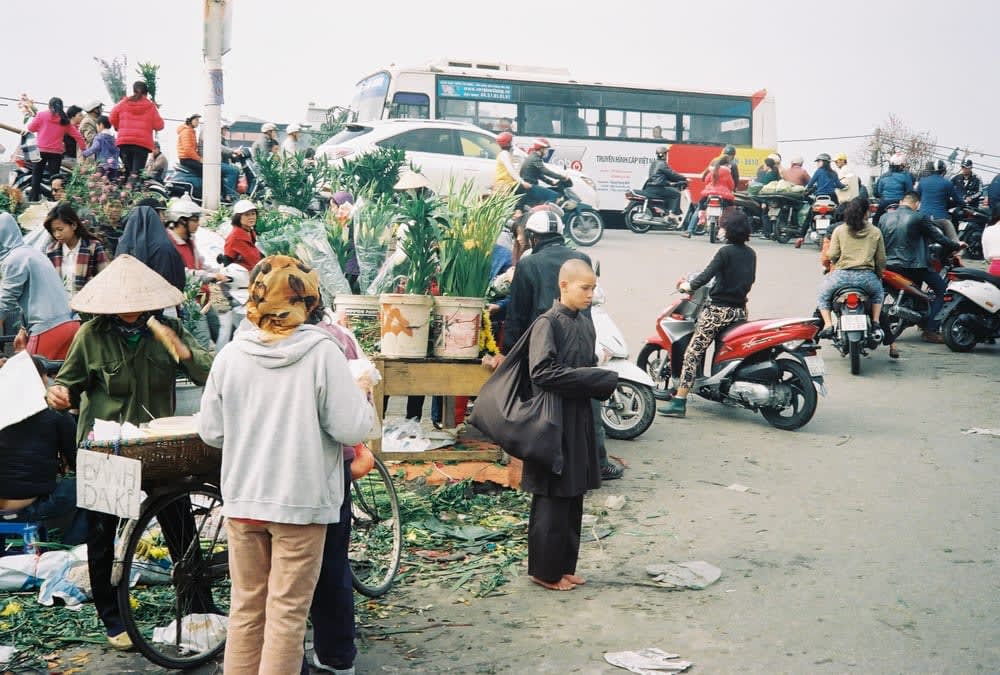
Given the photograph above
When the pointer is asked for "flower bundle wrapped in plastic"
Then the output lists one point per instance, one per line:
(372, 233)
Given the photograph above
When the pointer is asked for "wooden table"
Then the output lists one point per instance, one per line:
(430, 377)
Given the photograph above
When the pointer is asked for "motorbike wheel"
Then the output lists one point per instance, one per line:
(585, 227)
(713, 231)
(958, 332)
(894, 327)
(855, 349)
(781, 234)
(628, 215)
(655, 360)
(802, 407)
(975, 241)
(629, 411)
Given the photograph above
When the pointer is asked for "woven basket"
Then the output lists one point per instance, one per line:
(165, 457)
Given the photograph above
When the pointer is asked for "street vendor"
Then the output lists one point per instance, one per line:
(128, 375)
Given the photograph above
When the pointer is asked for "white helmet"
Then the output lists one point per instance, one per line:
(897, 159)
(544, 222)
(268, 126)
(181, 208)
(293, 128)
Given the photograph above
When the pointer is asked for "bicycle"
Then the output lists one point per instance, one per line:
(376, 546)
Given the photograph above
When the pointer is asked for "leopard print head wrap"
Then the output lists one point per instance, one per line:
(283, 292)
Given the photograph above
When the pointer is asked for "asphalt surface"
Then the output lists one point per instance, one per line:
(865, 542)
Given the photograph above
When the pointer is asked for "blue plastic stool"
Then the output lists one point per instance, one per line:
(16, 529)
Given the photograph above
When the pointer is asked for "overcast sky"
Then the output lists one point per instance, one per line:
(835, 68)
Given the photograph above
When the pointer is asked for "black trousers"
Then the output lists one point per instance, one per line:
(554, 536)
(332, 611)
(133, 159)
(49, 164)
(194, 166)
(671, 196)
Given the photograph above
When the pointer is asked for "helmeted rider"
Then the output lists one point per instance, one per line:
(262, 146)
(534, 173)
(506, 177)
(825, 180)
(660, 175)
(892, 185)
(840, 164)
(937, 195)
(968, 184)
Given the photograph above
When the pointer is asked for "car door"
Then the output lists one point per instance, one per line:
(431, 150)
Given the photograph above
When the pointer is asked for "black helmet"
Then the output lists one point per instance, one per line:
(967, 164)
(942, 166)
(662, 151)
(823, 157)
(729, 150)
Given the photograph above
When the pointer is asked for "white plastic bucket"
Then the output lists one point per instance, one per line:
(406, 324)
(361, 314)
(455, 326)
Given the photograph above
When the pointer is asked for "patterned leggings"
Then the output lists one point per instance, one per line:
(711, 321)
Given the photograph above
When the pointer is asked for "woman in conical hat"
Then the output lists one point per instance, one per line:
(128, 375)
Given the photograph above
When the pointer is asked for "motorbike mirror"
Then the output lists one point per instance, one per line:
(597, 268)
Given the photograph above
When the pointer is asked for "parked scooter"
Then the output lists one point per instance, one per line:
(645, 212)
(768, 366)
(631, 409)
(971, 312)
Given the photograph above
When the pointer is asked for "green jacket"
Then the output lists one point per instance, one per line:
(110, 380)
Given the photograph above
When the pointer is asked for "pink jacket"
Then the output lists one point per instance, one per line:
(723, 186)
(136, 121)
(50, 133)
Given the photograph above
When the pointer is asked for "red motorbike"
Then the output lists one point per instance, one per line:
(768, 366)
(908, 304)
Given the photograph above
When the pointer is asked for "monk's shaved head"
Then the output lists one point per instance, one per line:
(574, 269)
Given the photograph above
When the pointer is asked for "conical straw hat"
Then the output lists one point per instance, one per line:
(126, 286)
(411, 180)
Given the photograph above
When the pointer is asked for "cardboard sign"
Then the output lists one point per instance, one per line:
(108, 483)
(22, 393)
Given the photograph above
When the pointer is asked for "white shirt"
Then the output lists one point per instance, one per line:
(289, 146)
(991, 242)
(68, 268)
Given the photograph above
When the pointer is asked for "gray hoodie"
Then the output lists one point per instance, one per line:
(280, 412)
(29, 282)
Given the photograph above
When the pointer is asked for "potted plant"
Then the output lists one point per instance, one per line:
(466, 256)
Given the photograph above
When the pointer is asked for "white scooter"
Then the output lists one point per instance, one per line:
(971, 312)
(631, 409)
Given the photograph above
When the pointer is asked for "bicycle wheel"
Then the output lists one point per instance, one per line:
(174, 589)
(376, 532)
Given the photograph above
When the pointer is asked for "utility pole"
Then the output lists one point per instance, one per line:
(216, 18)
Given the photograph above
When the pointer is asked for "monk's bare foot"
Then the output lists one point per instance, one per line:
(573, 579)
(561, 585)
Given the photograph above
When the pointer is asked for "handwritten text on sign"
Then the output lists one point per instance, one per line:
(108, 483)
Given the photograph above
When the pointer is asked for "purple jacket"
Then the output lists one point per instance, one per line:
(106, 150)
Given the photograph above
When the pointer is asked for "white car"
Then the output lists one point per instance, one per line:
(442, 149)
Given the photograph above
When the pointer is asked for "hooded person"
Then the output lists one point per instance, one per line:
(279, 460)
(31, 287)
(116, 369)
(145, 238)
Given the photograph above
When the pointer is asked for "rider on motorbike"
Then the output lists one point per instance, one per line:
(534, 173)
(505, 176)
(719, 181)
(892, 185)
(734, 269)
(825, 180)
(968, 184)
(937, 195)
(907, 233)
(660, 174)
(857, 253)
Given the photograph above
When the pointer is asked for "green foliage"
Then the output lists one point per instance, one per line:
(113, 74)
(149, 73)
(423, 232)
(466, 253)
(336, 118)
(338, 234)
(292, 180)
(215, 219)
(373, 172)
(276, 231)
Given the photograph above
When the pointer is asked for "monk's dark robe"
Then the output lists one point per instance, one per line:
(561, 359)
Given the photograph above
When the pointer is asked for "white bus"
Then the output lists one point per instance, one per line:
(606, 130)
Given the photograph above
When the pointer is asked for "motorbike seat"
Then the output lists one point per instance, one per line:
(721, 336)
(975, 275)
(646, 194)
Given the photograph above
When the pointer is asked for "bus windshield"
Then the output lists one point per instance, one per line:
(369, 97)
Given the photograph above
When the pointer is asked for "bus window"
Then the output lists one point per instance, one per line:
(716, 130)
(453, 109)
(538, 120)
(477, 145)
(409, 104)
(634, 124)
(580, 122)
(489, 114)
(659, 126)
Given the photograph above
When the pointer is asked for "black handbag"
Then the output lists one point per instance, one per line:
(527, 425)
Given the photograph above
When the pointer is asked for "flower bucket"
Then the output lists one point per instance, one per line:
(455, 325)
(361, 317)
(406, 323)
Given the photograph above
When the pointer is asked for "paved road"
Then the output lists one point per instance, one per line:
(868, 541)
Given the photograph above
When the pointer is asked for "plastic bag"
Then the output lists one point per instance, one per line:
(313, 248)
(200, 632)
(402, 435)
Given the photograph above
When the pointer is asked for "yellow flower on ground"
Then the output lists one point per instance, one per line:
(13, 607)
(133, 602)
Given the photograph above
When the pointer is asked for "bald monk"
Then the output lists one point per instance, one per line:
(561, 359)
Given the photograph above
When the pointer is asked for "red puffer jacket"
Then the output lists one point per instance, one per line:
(136, 121)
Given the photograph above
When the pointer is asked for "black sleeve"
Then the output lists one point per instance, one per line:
(713, 268)
(549, 374)
(518, 308)
(672, 175)
(65, 428)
